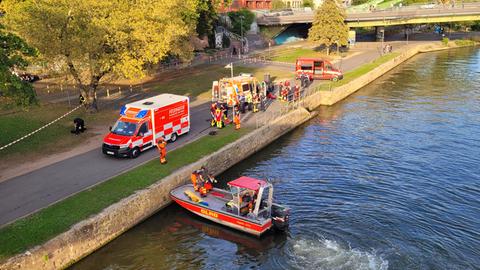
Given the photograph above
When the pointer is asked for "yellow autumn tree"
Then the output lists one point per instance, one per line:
(93, 38)
(328, 26)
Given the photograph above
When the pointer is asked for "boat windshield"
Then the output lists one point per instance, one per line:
(124, 128)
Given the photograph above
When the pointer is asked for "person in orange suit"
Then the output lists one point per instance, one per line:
(162, 149)
(236, 119)
(194, 176)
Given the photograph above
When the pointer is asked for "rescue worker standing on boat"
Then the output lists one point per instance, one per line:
(162, 149)
(194, 177)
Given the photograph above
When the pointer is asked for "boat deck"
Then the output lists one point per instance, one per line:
(215, 200)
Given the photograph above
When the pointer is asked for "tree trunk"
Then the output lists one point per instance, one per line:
(88, 92)
(91, 100)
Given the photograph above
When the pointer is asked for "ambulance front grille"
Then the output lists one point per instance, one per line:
(112, 147)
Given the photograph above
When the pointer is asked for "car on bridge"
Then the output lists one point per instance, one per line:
(317, 69)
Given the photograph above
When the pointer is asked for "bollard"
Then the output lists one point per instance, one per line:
(95, 94)
(48, 89)
(119, 90)
(61, 88)
(108, 93)
(131, 88)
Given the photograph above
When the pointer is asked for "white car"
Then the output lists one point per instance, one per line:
(428, 6)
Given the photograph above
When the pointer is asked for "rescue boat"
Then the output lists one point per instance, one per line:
(248, 205)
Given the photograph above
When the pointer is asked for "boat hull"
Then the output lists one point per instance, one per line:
(223, 218)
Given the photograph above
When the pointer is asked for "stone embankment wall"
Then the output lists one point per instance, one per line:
(91, 234)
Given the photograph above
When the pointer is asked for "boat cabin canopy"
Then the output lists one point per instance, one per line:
(247, 183)
(258, 191)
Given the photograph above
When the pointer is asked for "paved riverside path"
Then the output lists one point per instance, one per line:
(28, 193)
(25, 194)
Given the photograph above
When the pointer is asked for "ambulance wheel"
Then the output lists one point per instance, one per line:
(135, 152)
(173, 137)
(335, 79)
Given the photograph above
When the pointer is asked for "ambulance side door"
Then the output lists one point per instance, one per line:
(145, 131)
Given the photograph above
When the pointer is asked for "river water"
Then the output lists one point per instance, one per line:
(387, 179)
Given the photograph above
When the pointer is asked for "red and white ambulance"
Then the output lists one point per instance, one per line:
(317, 69)
(143, 122)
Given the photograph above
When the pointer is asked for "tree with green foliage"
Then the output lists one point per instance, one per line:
(241, 20)
(329, 26)
(308, 3)
(92, 39)
(278, 5)
(13, 54)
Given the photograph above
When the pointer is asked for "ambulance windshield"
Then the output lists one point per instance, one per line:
(124, 128)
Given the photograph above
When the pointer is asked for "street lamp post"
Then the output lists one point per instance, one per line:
(241, 34)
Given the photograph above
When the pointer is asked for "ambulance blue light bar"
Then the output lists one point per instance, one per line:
(141, 114)
(123, 110)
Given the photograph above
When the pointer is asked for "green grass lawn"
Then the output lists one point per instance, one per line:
(53, 220)
(50, 139)
(363, 69)
(388, 4)
(291, 55)
(200, 80)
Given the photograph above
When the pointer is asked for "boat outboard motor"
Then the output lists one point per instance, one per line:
(280, 217)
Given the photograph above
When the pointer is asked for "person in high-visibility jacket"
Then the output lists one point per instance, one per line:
(208, 186)
(256, 103)
(162, 149)
(236, 119)
(213, 108)
(249, 100)
(194, 177)
(219, 117)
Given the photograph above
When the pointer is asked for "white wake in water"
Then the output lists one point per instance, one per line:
(326, 254)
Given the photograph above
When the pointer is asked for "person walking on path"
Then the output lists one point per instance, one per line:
(236, 120)
(213, 108)
(162, 149)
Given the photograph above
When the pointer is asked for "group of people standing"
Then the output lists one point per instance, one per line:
(289, 92)
(219, 112)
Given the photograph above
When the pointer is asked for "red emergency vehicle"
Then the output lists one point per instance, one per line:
(143, 122)
(316, 68)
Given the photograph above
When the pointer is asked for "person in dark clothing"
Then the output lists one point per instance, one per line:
(242, 104)
(81, 99)
(79, 125)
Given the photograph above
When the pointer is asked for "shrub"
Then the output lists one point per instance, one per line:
(445, 41)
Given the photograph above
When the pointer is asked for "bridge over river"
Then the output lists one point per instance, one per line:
(420, 14)
(387, 17)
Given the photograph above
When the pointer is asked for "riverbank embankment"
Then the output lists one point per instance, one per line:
(331, 96)
(89, 235)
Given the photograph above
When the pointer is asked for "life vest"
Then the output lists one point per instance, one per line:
(218, 115)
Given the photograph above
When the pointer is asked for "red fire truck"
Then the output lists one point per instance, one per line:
(143, 122)
(316, 68)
